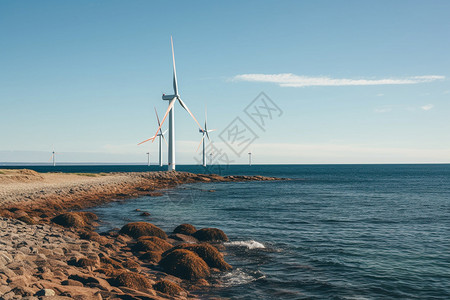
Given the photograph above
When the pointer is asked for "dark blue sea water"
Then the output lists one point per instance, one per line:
(332, 232)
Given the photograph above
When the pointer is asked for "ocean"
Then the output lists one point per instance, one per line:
(331, 232)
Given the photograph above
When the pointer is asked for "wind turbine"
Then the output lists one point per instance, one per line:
(53, 157)
(171, 112)
(250, 159)
(161, 136)
(204, 132)
(148, 159)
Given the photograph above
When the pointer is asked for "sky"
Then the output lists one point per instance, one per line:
(299, 82)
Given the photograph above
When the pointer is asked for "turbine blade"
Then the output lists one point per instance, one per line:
(159, 123)
(164, 139)
(207, 135)
(211, 130)
(172, 102)
(200, 143)
(187, 109)
(145, 141)
(175, 85)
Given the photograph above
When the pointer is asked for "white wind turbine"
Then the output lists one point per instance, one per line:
(170, 111)
(205, 133)
(52, 158)
(160, 134)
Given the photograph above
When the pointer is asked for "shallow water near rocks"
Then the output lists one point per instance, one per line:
(333, 232)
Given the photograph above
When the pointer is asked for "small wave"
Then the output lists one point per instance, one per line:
(239, 277)
(251, 244)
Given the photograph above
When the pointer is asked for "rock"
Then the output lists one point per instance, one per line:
(208, 253)
(27, 220)
(145, 214)
(151, 256)
(184, 238)
(71, 282)
(185, 264)
(70, 219)
(186, 229)
(168, 287)
(210, 235)
(138, 229)
(151, 243)
(46, 292)
(132, 280)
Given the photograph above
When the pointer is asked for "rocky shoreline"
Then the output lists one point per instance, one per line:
(49, 248)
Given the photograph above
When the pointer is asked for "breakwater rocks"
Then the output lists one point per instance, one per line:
(139, 261)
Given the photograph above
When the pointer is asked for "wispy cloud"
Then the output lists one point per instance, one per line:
(292, 80)
(427, 107)
(383, 109)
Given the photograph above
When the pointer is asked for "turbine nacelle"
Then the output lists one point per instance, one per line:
(169, 97)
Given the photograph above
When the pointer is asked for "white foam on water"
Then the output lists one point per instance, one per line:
(251, 244)
(237, 277)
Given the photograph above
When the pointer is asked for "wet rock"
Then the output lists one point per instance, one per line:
(210, 235)
(186, 229)
(138, 229)
(183, 238)
(208, 253)
(185, 264)
(168, 287)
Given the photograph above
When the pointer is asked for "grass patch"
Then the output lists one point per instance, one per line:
(86, 174)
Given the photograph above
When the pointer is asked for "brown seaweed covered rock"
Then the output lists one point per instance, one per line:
(132, 280)
(70, 219)
(187, 229)
(168, 287)
(210, 235)
(185, 264)
(138, 229)
(151, 243)
(208, 253)
(151, 256)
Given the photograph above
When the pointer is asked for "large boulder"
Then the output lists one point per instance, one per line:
(132, 280)
(187, 229)
(185, 264)
(208, 253)
(138, 229)
(70, 219)
(168, 287)
(210, 235)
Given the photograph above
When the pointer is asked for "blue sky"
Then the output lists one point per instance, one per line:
(357, 81)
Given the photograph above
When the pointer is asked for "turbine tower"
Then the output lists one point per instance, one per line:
(53, 157)
(204, 132)
(148, 159)
(250, 159)
(161, 136)
(171, 112)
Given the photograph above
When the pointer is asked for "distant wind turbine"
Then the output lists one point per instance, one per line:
(205, 132)
(161, 136)
(148, 158)
(171, 112)
(250, 159)
(52, 158)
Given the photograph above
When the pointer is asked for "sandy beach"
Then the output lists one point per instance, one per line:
(50, 250)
